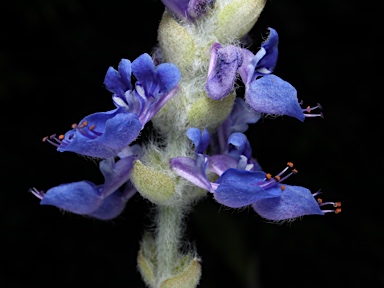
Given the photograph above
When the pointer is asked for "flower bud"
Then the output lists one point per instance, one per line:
(177, 45)
(208, 113)
(145, 260)
(237, 18)
(154, 185)
(189, 276)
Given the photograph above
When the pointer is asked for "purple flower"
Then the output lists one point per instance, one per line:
(194, 169)
(99, 201)
(222, 70)
(154, 86)
(101, 135)
(241, 115)
(240, 184)
(265, 92)
(188, 9)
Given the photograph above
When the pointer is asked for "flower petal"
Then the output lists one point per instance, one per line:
(119, 81)
(199, 139)
(222, 76)
(115, 173)
(78, 197)
(272, 95)
(295, 201)
(191, 170)
(104, 135)
(239, 188)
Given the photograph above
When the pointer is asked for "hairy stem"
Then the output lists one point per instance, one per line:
(169, 230)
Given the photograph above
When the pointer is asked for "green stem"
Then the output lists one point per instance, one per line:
(169, 230)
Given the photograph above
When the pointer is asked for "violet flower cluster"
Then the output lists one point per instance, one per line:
(187, 88)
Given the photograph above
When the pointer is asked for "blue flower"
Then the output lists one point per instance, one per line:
(105, 134)
(265, 92)
(237, 121)
(101, 135)
(98, 201)
(240, 184)
(188, 9)
(155, 85)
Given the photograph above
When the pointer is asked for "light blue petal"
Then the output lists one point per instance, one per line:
(105, 134)
(192, 170)
(272, 95)
(169, 75)
(295, 201)
(119, 81)
(78, 197)
(239, 188)
(115, 173)
(199, 139)
(111, 207)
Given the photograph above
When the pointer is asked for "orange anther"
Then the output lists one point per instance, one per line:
(83, 124)
(74, 125)
(61, 137)
(277, 178)
(320, 201)
(337, 204)
(282, 187)
(92, 127)
(295, 171)
(268, 176)
(45, 138)
(338, 210)
(309, 109)
(290, 164)
(52, 136)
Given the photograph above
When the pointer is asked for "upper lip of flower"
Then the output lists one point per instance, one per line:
(101, 135)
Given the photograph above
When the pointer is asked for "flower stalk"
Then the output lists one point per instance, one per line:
(187, 88)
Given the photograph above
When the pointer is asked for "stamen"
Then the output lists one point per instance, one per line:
(83, 124)
(37, 193)
(309, 110)
(337, 205)
(277, 178)
(282, 187)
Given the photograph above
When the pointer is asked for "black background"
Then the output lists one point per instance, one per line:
(54, 55)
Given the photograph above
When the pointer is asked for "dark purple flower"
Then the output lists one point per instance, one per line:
(188, 9)
(222, 71)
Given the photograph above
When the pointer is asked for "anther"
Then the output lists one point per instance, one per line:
(268, 176)
(61, 137)
(282, 187)
(92, 127)
(74, 125)
(290, 164)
